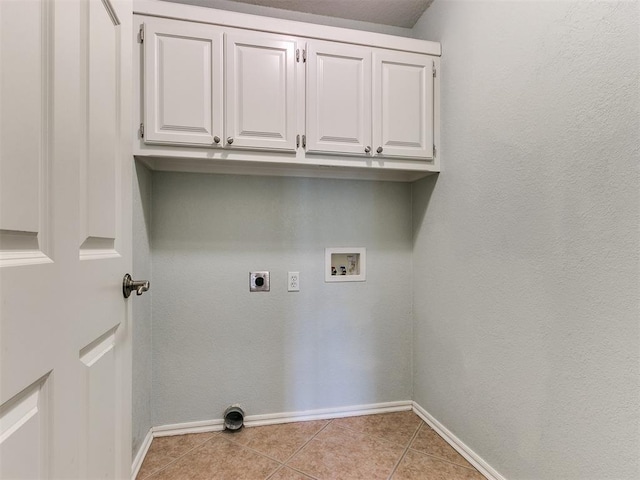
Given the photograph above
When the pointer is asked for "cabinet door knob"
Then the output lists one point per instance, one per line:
(216, 139)
(229, 140)
(379, 150)
(367, 149)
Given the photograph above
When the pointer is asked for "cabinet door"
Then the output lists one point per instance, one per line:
(260, 91)
(403, 104)
(338, 98)
(182, 83)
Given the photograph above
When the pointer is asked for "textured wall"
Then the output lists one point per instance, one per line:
(526, 260)
(329, 345)
(141, 307)
(298, 16)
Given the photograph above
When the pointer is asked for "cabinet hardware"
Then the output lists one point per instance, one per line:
(379, 149)
(142, 33)
(229, 140)
(297, 55)
(304, 55)
(216, 139)
(141, 130)
(304, 141)
(298, 141)
(367, 149)
(434, 69)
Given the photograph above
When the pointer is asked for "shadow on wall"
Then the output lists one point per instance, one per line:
(421, 192)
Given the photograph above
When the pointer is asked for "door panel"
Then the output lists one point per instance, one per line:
(99, 165)
(261, 91)
(65, 393)
(338, 98)
(182, 83)
(24, 433)
(403, 104)
(24, 132)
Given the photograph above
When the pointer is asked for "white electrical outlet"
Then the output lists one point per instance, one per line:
(293, 282)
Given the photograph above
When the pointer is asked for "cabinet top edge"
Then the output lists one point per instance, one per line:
(176, 11)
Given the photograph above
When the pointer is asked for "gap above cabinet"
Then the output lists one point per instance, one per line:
(222, 92)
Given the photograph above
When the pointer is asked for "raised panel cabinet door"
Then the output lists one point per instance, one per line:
(260, 91)
(183, 100)
(402, 104)
(338, 98)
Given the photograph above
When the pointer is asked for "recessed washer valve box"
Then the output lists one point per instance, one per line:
(259, 281)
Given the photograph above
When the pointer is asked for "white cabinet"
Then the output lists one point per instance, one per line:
(195, 95)
(182, 83)
(371, 102)
(338, 98)
(260, 91)
(225, 92)
(403, 104)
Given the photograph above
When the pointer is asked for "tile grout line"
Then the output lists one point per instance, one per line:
(299, 449)
(378, 437)
(413, 437)
(164, 467)
(251, 449)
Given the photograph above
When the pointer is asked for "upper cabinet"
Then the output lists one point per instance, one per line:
(260, 91)
(369, 102)
(194, 94)
(225, 92)
(403, 104)
(338, 98)
(183, 101)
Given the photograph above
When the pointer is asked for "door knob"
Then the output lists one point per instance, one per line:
(367, 149)
(379, 149)
(229, 140)
(129, 285)
(216, 139)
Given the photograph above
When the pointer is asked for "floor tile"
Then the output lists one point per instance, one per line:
(165, 450)
(396, 427)
(418, 466)
(429, 442)
(288, 474)
(220, 459)
(339, 453)
(277, 441)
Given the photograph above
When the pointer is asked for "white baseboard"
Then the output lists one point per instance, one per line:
(285, 417)
(142, 452)
(472, 457)
(327, 413)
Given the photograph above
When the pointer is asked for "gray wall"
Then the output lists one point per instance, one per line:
(298, 16)
(329, 345)
(141, 307)
(526, 247)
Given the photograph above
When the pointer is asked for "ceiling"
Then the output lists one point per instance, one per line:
(398, 13)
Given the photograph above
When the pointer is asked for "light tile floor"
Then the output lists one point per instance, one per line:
(397, 446)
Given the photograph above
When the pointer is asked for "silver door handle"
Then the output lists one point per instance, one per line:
(216, 139)
(379, 150)
(367, 149)
(229, 140)
(129, 285)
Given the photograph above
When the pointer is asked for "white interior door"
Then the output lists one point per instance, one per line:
(182, 83)
(402, 104)
(338, 98)
(260, 91)
(65, 239)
